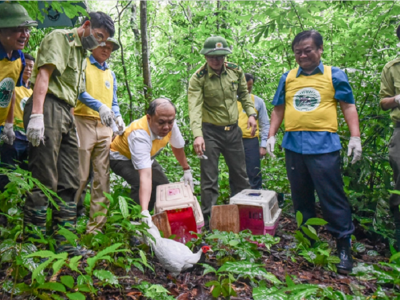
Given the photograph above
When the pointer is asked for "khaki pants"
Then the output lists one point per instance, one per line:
(95, 140)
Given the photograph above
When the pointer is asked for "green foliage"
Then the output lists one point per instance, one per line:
(153, 291)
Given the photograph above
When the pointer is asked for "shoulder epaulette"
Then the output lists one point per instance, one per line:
(231, 66)
(201, 72)
(70, 37)
(393, 62)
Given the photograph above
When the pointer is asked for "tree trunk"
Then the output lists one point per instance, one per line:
(145, 52)
(124, 65)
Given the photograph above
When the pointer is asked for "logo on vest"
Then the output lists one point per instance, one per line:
(6, 90)
(23, 103)
(108, 84)
(306, 99)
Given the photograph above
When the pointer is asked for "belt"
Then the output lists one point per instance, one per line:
(60, 101)
(221, 127)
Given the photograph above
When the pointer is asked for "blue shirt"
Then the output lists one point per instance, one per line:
(263, 120)
(94, 104)
(16, 54)
(315, 142)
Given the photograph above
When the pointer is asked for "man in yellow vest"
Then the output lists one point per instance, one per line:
(390, 100)
(94, 114)
(53, 150)
(18, 151)
(15, 27)
(307, 99)
(253, 149)
(133, 154)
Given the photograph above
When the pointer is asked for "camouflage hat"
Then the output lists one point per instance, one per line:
(115, 43)
(215, 45)
(14, 15)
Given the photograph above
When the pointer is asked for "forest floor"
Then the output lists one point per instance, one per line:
(190, 285)
(279, 260)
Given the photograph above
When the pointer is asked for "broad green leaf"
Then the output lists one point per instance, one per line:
(53, 286)
(106, 276)
(76, 296)
(68, 281)
(299, 218)
(69, 235)
(316, 222)
(42, 254)
(123, 205)
(58, 265)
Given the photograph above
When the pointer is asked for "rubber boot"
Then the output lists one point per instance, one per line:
(344, 252)
(66, 217)
(35, 222)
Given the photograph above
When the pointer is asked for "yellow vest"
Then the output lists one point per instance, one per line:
(243, 118)
(309, 102)
(22, 95)
(99, 85)
(120, 143)
(9, 74)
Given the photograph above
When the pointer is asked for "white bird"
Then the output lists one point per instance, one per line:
(173, 256)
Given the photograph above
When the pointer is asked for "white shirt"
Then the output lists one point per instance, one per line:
(140, 144)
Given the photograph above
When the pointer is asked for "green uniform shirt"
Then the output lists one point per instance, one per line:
(212, 98)
(63, 49)
(390, 85)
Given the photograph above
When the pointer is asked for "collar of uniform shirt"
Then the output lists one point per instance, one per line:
(211, 72)
(319, 69)
(93, 61)
(14, 56)
(152, 135)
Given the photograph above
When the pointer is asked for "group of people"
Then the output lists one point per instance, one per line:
(65, 127)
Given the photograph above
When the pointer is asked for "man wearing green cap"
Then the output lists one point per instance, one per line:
(95, 112)
(214, 90)
(15, 27)
(50, 128)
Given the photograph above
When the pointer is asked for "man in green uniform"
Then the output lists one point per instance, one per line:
(50, 127)
(214, 90)
(390, 99)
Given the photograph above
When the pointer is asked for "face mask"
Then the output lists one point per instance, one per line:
(89, 42)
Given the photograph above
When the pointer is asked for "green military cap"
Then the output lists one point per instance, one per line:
(14, 15)
(115, 43)
(215, 45)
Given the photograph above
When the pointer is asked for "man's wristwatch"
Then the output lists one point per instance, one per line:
(253, 115)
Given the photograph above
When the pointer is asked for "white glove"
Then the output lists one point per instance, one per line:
(188, 179)
(8, 135)
(397, 99)
(271, 146)
(35, 130)
(355, 144)
(147, 219)
(106, 115)
(120, 125)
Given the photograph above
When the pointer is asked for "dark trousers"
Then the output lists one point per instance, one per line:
(12, 155)
(54, 163)
(125, 169)
(321, 173)
(230, 145)
(394, 159)
(253, 162)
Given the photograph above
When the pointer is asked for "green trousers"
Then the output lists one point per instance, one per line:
(125, 169)
(228, 143)
(55, 164)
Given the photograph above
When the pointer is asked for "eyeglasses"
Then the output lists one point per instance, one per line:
(26, 30)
